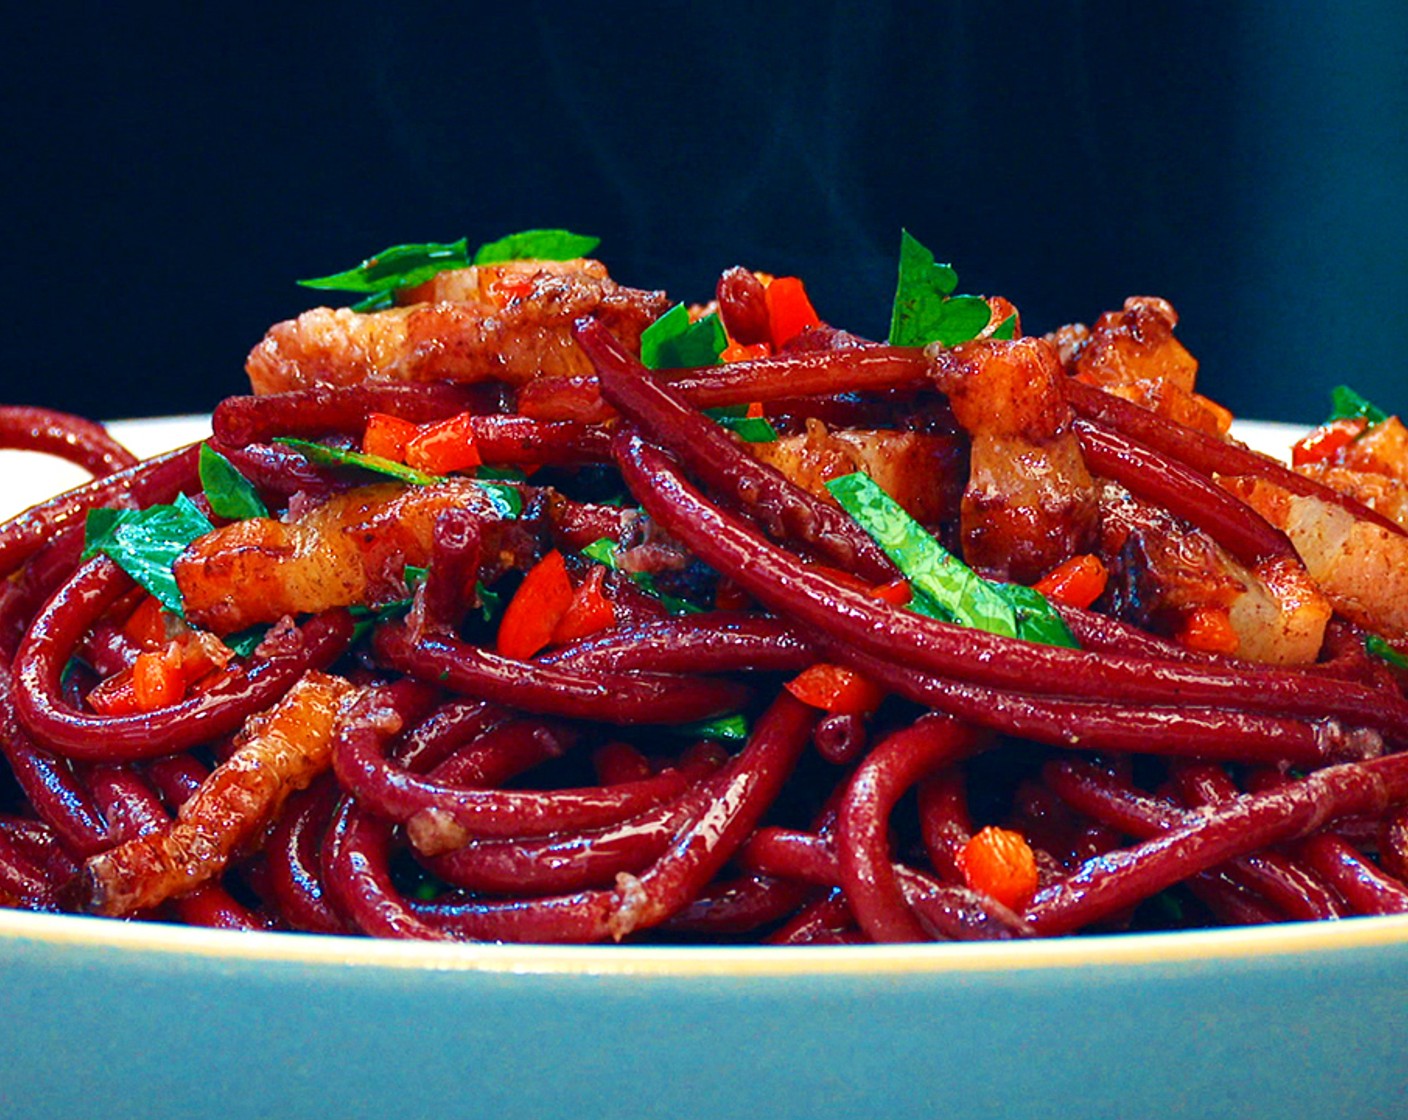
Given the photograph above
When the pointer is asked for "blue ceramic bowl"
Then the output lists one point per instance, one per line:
(114, 1020)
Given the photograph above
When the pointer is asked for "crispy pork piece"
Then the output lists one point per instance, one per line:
(352, 549)
(510, 322)
(1030, 502)
(1132, 353)
(1361, 567)
(920, 471)
(1372, 469)
(1164, 571)
(280, 751)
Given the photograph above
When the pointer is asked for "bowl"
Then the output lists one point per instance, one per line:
(111, 1019)
(116, 1019)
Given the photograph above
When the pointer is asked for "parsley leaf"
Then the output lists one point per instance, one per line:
(944, 587)
(734, 417)
(1379, 648)
(405, 266)
(145, 543)
(536, 245)
(673, 342)
(229, 493)
(245, 642)
(491, 603)
(603, 551)
(324, 456)
(925, 309)
(727, 729)
(1346, 404)
(400, 266)
(507, 501)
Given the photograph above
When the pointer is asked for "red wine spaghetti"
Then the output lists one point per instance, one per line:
(517, 604)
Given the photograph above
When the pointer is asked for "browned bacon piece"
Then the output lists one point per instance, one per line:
(922, 472)
(281, 750)
(352, 549)
(511, 322)
(1372, 469)
(1030, 501)
(1361, 567)
(1165, 570)
(1132, 353)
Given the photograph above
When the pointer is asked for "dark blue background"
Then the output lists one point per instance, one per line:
(170, 176)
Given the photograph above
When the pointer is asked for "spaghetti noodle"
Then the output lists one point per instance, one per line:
(518, 607)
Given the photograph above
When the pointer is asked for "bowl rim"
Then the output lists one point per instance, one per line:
(1111, 952)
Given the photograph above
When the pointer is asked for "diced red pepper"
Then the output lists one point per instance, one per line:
(162, 674)
(1209, 630)
(1077, 582)
(156, 678)
(115, 695)
(790, 312)
(536, 608)
(834, 688)
(589, 611)
(728, 596)
(1327, 441)
(146, 625)
(444, 446)
(737, 352)
(202, 654)
(999, 862)
(897, 592)
(387, 436)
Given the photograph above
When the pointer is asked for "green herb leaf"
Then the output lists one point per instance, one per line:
(754, 429)
(672, 603)
(734, 417)
(400, 266)
(1379, 648)
(603, 551)
(325, 456)
(959, 593)
(229, 493)
(1037, 620)
(145, 543)
(366, 619)
(500, 474)
(377, 301)
(1006, 330)
(726, 729)
(1346, 404)
(506, 500)
(929, 567)
(405, 266)
(536, 245)
(491, 603)
(673, 342)
(245, 642)
(925, 309)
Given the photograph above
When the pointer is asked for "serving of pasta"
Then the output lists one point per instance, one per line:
(515, 604)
